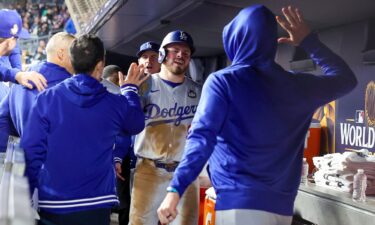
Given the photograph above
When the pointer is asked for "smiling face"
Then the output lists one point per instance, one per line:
(150, 61)
(178, 58)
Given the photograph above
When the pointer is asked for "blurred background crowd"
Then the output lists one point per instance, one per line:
(42, 19)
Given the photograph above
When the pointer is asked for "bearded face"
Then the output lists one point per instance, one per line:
(178, 58)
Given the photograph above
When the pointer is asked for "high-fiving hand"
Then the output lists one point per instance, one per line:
(135, 75)
(294, 24)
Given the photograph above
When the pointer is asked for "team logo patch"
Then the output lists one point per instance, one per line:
(359, 116)
(148, 45)
(14, 29)
(192, 94)
(183, 36)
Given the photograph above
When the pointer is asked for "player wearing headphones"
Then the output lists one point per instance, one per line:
(169, 105)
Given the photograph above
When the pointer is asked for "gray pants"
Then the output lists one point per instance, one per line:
(149, 190)
(250, 217)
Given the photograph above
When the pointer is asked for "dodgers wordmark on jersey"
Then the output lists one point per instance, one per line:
(168, 114)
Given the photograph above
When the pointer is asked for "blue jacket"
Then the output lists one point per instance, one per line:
(68, 143)
(123, 144)
(3, 90)
(123, 147)
(10, 65)
(253, 116)
(15, 108)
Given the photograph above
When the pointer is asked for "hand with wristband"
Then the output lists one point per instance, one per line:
(167, 211)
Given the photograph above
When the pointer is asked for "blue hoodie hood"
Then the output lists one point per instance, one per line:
(84, 90)
(52, 72)
(252, 42)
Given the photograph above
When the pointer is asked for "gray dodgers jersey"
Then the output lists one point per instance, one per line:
(111, 87)
(168, 114)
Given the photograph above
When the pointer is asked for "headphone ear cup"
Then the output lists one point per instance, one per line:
(162, 55)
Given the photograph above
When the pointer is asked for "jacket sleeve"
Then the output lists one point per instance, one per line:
(35, 143)
(5, 121)
(338, 78)
(133, 118)
(122, 146)
(206, 126)
(15, 58)
(8, 74)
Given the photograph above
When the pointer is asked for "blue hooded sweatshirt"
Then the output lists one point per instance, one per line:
(15, 108)
(68, 143)
(3, 90)
(10, 65)
(253, 116)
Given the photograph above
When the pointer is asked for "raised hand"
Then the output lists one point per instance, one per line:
(294, 24)
(135, 75)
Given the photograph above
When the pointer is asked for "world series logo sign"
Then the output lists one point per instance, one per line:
(355, 134)
(356, 127)
(356, 137)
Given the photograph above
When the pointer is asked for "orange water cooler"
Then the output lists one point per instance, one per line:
(312, 144)
(209, 207)
(202, 196)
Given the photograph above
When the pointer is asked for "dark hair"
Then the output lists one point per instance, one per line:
(85, 52)
(109, 70)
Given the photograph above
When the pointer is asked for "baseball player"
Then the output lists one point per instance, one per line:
(169, 106)
(110, 79)
(148, 56)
